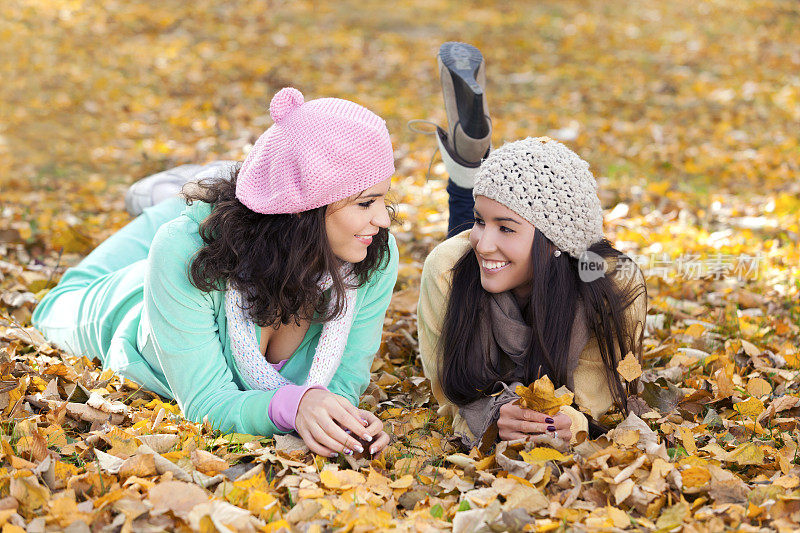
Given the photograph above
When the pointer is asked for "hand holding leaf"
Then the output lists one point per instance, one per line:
(541, 397)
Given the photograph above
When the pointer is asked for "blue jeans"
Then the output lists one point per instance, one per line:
(461, 204)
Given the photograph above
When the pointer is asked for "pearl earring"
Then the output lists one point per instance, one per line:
(557, 253)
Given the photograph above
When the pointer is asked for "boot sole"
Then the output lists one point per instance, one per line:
(463, 61)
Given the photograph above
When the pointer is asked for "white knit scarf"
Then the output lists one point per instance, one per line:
(257, 372)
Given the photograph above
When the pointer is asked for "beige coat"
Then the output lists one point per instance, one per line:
(592, 393)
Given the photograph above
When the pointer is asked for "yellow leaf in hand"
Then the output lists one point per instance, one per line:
(629, 368)
(541, 397)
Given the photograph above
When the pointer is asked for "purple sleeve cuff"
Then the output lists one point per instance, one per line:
(284, 404)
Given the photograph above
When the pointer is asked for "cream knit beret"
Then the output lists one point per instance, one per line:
(548, 185)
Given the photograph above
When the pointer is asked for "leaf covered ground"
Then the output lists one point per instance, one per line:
(688, 113)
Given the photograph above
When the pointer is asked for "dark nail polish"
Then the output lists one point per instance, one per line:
(548, 420)
(551, 428)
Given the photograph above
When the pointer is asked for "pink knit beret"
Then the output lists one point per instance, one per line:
(316, 153)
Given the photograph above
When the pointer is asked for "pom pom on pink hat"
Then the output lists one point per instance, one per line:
(284, 102)
(317, 152)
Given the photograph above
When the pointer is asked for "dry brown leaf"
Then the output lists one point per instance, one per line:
(647, 437)
(626, 437)
(623, 490)
(725, 387)
(407, 465)
(160, 443)
(475, 519)
(30, 441)
(165, 465)
(628, 471)
(528, 498)
(460, 460)
(176, 496)
(108, 462)
(223, 516)
(84, 412)
(758, 387)
(140, 465)
(208, 463)
(655, 482)
(629, 368)
(289, 444)
(728, 491)
(781, 403)
(303, 511)
(751, 349)
(402, 482)
(512, 466)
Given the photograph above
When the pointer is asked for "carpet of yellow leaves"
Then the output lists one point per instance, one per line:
(688, 113)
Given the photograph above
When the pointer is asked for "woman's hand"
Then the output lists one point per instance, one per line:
(375, 428)
(516, 422)
(322, 418)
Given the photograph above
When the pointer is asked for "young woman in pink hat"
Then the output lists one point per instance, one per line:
(259, 305)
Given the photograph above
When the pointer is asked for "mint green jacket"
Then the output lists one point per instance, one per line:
(178, 345)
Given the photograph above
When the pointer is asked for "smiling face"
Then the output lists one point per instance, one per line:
(351, 223)
(502, 241)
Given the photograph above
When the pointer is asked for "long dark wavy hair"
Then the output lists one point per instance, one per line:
(557, 286)
(274, 260)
